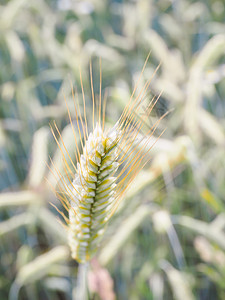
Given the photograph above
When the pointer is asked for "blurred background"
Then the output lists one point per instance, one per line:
(167, 240)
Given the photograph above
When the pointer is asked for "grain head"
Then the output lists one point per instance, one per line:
(107, 161)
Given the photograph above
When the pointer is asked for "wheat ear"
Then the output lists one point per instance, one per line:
(106, 166)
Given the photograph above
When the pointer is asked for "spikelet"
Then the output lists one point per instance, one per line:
(106, 166)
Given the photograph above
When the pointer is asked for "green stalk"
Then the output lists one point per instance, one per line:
(81, 290)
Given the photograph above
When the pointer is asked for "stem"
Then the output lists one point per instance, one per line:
(14, 291)
(81, 291)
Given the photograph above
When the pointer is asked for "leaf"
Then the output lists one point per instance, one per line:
(19, 198)
(178, 281)
(41, 265)
(123, 233)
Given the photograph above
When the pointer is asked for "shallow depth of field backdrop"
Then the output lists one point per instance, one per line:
(167, 241)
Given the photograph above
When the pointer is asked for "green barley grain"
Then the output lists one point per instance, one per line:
(106, 166)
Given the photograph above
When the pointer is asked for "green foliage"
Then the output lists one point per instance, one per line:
(167, 240)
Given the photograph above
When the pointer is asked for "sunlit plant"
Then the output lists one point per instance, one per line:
(107, 162)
